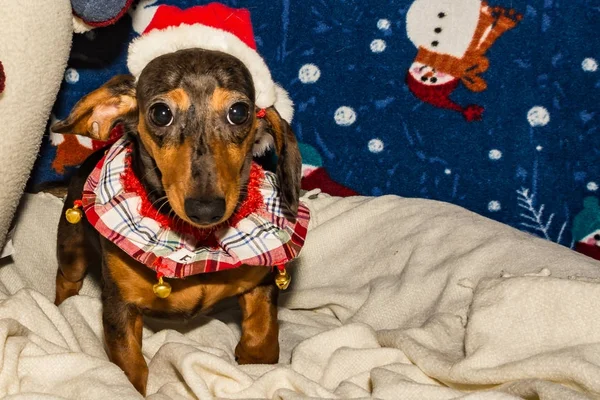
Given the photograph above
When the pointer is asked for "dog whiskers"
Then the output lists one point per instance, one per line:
(166, 201)
(147, 172)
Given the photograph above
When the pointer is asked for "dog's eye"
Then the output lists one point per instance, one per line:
(161, 115)
(238, 114)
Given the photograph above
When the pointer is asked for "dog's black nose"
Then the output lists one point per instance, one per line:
(205, 211)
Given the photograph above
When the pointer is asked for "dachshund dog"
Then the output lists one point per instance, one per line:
(192, 119)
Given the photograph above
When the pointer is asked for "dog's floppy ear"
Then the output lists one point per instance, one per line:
(289, 161)
(97, 113)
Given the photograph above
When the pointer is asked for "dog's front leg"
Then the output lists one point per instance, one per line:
(76, 245)
(259, 343)
(123, 325)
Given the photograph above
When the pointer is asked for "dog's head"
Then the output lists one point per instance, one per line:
(193, 117)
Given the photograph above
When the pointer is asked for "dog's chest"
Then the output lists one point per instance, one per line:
(188, 296)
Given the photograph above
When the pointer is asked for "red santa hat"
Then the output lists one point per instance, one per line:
(165, 29)
(439, 96)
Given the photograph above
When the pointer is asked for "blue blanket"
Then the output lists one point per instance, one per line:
(493, 109)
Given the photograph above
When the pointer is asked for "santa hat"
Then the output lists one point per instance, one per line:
(165, 29)
(439, 96)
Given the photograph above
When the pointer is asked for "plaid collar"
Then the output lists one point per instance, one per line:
(264, 237)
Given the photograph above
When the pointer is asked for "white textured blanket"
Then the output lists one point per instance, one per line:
(392, 298)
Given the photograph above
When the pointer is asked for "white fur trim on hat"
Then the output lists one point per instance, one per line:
(283, 104)
(155, 43)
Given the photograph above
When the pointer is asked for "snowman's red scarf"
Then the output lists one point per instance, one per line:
(251, 203)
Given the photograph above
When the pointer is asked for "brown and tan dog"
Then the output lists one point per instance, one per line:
(191, 115)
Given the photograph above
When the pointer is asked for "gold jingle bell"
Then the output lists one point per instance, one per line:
(283, 279)
(73, 215)
(162, 289)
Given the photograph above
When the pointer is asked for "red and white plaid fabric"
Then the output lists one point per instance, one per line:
(264, 238)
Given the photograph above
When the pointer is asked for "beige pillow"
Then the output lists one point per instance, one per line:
(35, 39)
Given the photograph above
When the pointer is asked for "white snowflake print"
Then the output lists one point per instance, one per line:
(494, 206)
(344, 116)
(495, 154)
(538, 116)
(309, 73)
(71, 75)
(589, 65)
(375, 145)
(378, 45)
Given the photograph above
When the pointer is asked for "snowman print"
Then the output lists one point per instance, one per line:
(452, 38)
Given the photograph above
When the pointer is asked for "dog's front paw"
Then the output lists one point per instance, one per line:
(265, 354)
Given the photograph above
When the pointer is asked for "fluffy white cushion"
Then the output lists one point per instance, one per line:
(35, 39)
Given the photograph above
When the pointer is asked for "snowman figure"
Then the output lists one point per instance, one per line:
(452, 38)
